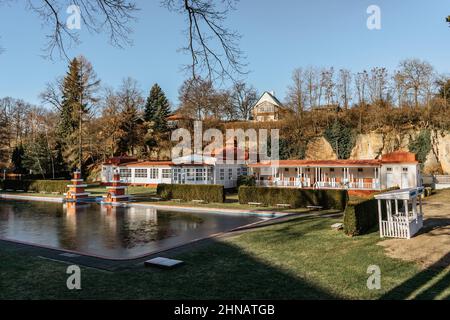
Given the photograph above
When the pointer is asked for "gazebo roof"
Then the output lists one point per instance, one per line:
(400, 194)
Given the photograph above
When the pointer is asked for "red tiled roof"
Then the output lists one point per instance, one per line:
(120, 160)
(161, 164)
(332, 163)
(149, 164)
(393, 157)
(399, 157)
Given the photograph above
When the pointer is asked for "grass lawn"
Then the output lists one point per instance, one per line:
(298, 259)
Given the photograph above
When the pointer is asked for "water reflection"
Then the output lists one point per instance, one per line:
(106, 230)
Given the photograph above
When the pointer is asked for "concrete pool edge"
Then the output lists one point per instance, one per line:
(30, 198)
(137, 257)
(258, 213)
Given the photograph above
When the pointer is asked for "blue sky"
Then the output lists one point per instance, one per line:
(278, 36)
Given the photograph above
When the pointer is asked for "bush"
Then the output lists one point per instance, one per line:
(361, 216)
(246, 181)
(48, 186)
(188, 192)
(297, 198)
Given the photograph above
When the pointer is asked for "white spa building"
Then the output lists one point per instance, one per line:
(186, 170)
(398, 168)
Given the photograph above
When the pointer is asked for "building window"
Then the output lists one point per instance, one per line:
(125, 173)
(389, 169)
(140, 173)
(244, 171)
(360, 169)
(331, 169)
(190, 174)
(405, 169)
(286, 169)
(166, 173)
(230, 174)
(154, 173)
(199, 174)
(222, 174)
(239, 172)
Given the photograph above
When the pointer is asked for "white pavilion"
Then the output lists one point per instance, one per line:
(400, 212)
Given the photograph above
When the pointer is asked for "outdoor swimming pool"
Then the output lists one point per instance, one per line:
(108, 231)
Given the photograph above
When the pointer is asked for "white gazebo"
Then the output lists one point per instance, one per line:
(402, 216)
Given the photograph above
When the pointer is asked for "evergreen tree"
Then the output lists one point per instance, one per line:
(129, 130)
(78, 88)
(157, 109)
(17, 159)
(37, 157)
(421, 145)
(341, 138)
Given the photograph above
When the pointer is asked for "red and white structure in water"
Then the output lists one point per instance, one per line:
(76, 188)
(116, 191)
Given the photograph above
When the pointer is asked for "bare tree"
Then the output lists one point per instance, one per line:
(418, 75)
(378, 84)
(112, 16)
(400, 88)
(296, 91)
(312, 86)
(327, 86)
(243, 98)
(344, 87)
(213, 47)
(361, 80)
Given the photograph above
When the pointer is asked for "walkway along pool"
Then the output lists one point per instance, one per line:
(109, 231)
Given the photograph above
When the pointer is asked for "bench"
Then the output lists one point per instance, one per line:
(283, 205)
(312, 208)
(55, 192)
(177, 200)
(155, 198)
(254, 203)
(198, 201)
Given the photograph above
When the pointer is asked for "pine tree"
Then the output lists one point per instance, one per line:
(78, 88)
(17, 159)
(157, 109)
(128, 130)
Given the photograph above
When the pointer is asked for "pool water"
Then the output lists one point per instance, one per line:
(108, 231)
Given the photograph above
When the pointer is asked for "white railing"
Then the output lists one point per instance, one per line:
(306, 183)
(442, 179)
(397, 228)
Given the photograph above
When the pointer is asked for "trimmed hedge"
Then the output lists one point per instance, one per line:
(297, 198)
(360, 217)
(188, 192)
(49, 186)
(246, 181)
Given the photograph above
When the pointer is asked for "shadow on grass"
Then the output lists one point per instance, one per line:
(431, 283)
(216, 271)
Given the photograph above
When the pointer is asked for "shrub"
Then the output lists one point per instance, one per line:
(246, 181)
(48, 186)
(297, 198)
(361, 216)
(187, 192)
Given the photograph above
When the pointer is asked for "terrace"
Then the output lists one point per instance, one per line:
(295, 174)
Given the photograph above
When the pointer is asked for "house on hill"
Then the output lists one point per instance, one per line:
(268, 108)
